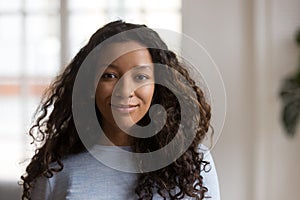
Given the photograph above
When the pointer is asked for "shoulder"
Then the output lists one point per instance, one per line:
(209, 174)
(85, 177)
(56, 186)
(41, 189)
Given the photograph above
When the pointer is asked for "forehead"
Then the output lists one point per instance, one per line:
(126, 56)
(112, 52)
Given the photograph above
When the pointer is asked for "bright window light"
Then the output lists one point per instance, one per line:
(37, 39)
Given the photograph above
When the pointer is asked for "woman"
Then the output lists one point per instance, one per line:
(133, 73)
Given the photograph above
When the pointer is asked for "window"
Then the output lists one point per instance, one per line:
(38, 38)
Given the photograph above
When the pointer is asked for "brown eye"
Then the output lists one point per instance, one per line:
(141, 77)
(109, 76)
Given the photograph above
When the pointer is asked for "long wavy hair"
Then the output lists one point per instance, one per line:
(55, 132)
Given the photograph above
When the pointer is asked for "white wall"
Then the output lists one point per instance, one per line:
(285, 174)
(252, 43)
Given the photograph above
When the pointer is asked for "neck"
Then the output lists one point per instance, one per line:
(115, 136)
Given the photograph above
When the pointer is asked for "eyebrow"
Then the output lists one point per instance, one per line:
(137, 67)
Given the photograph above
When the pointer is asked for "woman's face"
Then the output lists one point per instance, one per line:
(125, 89)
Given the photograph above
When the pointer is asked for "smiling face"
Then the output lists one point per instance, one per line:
(125, 89)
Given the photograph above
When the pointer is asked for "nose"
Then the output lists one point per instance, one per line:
(124, 87)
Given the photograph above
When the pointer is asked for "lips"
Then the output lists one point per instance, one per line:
(123, 108)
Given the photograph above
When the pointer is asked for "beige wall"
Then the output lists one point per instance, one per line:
(252, 43)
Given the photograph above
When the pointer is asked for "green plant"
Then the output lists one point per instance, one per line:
(290, 95)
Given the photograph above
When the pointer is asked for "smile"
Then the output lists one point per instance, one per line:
(123, 108)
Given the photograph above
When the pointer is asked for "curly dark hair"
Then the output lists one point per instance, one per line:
(55, 132)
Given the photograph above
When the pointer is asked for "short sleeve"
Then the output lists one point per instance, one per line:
(210, 178)
(41, 189)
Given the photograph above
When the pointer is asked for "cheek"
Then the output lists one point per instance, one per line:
(104, 89)
(103, 92)
(146, 93)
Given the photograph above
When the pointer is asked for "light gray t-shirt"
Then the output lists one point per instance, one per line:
(85, 177)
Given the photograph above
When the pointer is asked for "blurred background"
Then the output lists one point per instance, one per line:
(251, 41)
